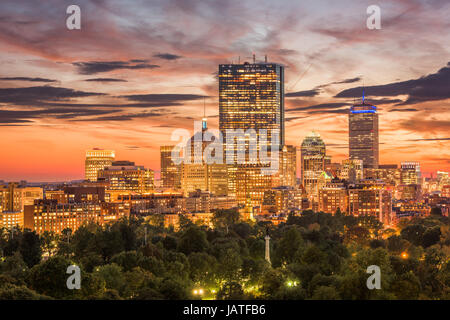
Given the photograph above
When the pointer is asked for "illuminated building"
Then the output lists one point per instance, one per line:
(389, 173)
(351, 170)
(284, 199)
(170, 172)
(251, 96)
(198, 201)
(251, 185)
(363, 134)
(314, 161)
(14, 197)
(446, 191)
(153, 203)
(48, 215)
(371, 199)
(198, 218)
(410, 173)
(332, 197)
(76, 194)
(443, 178)
(409, 192)
(126, 176)
(287, 172)
(197, 173)
(97, 159)
(11, 197)
(312, 145)
(10, 219)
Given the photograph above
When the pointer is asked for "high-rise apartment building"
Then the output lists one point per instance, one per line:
(170, 172)
(96, 160)
(287, 172)
(363, 134)
(314, 161)
(13, 197)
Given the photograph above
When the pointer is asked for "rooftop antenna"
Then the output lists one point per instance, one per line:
(204, 123)
(239, 60)
(204, 107)
(254, 58)
(265, 58)
(363, 92)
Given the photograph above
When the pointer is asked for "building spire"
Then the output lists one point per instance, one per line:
(363, 88)
(204, 120)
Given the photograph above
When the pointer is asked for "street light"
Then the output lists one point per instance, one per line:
(198, 292)
(404, 255)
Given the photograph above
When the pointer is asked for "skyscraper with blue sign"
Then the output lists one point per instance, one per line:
(363, 134)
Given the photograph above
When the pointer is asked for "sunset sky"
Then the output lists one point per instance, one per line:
(137, 70)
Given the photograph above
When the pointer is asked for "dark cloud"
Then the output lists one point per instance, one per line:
(94, 67)
(105, 80)
(335, 111)
(164, 98)
(125, 117)
(293, 118)
(306, 93)
(351, 80)
(26, 116)
(403, 110)
(26, 79)
(167, 56)
(322, 106)
(36, 96)
(383, 101)
(419, 124)
(431, 87)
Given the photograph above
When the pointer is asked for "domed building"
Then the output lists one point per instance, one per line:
(199, 174)
(313, 145)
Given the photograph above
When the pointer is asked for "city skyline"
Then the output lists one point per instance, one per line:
(60, 96)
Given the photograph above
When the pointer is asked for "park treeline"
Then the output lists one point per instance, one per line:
(313, 256)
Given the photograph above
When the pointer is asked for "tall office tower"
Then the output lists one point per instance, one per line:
(314, 161)
(351, 170)
(251, 96)
(363, 134)
(170, 172)
(410, 173)
(97, 159)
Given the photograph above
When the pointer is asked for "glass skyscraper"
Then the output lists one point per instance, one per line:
(363, 134)
(251, 96)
